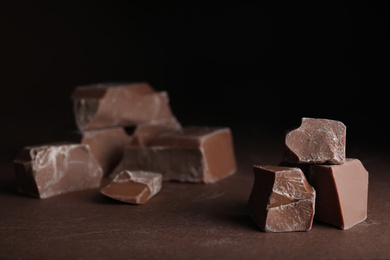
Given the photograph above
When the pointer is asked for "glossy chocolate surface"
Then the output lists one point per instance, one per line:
(135, 187)
(342, 193)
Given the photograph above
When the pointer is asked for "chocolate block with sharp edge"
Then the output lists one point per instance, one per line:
(193, 154)
(108, 105)
(135, 187)
(48, 170)
(281, 199)
(342, 192)
(316, 141)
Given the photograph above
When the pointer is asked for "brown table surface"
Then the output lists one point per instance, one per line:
(187, 221)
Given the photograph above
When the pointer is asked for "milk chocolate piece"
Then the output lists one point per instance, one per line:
(107, 146)
(316, 141)
(281, 199)
(342, 192)
(194, 154)
(49, 170)
(107, 105)
(135, 187)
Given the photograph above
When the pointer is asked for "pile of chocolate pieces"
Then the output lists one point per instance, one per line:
(335, 191)
(135, 164)
(160, 149)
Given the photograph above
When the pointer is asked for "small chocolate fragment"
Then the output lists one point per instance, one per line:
(135, 187)
(316, 141)
(107, 146)
(281, 199)
(49, 170)
(342, 192)
(193, 154)
(108, 105)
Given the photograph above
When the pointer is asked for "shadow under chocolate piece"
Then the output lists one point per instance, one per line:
(281, 199)
(342, 192)
(108, 105)
(193, 154)
(107, 146)
(135, 187)
(316, 141)
(48, 170)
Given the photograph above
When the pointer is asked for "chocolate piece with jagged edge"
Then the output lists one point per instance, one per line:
(135, 187)
(316, 141)
(49, 170)
(281, 199)
(114, 104)
(342, 192)
(193, 154)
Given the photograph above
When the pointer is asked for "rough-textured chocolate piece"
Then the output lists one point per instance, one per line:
(135, 187)
(342, 192)
(316, 141)
(49, 170)
(107, 105)
(194, 154)
(107, 146)
(281, 199)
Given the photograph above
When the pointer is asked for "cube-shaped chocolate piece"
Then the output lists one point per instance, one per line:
(49, 170)
(193, 154)
(108, 105)
(281, 199)
(316, 141)
(342, 192)
(135, 187)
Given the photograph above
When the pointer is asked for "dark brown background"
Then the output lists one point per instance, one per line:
(255, 68)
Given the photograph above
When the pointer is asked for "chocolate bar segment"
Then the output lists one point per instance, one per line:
(316, 141)
(49, 170)
(108, 105)
(281, 199)
(193, 154)
(135, 187)
(342, 192)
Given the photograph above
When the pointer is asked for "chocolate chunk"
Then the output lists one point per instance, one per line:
(135, 187)
(49, 170)
(281, 199)
(341, 193)
(107, 146)
(193, 154)
(316, 141)
(107, 105)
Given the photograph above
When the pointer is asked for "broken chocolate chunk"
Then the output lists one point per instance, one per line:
(193, 154)
(108, 105)
(342, 192)
(281, 199)
(135, 187)
(316, 141)
(49, 170)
